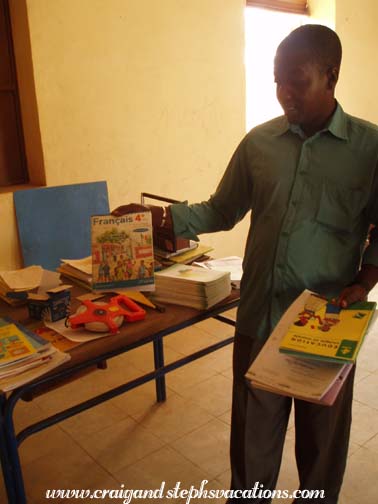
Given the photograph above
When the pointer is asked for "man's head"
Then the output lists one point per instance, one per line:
(306, 69)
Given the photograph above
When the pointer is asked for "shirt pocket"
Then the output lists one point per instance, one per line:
(340, 207)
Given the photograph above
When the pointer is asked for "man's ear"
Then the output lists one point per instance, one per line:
(333, 76)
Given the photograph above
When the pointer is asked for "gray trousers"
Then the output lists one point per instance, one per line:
(258, 429)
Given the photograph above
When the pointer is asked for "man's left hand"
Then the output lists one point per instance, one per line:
(352, 294)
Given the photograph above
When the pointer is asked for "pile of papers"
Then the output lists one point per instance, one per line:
(233, 264)
(191, 286)
(78, 270)
(194, 252)
(15, 284)
(24, 355)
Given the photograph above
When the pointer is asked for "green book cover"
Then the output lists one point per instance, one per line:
(325, 331)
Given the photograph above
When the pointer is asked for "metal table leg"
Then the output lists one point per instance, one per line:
(161, 394)
(4, 456)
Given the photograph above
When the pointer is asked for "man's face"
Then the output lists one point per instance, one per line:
(304, 90)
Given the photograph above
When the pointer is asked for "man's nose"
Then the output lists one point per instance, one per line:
(285, 92)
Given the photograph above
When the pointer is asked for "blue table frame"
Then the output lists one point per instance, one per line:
(135, 335)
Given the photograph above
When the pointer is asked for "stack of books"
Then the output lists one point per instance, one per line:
(15, 284)
(195, 252)
(24, 355)
(312, 349)
(78, 270)
(233, 264)
(191, 286)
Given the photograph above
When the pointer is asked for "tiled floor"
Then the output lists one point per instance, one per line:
(133, 441)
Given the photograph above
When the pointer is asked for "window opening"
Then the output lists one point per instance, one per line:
(264, 30)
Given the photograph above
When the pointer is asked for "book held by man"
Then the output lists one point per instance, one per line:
(310, 380)
(313, 380)
(323, 330)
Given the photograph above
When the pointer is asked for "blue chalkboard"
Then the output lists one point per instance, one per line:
(54, 222)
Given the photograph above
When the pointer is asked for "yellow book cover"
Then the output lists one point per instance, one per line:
(323, 330)
(14, 345)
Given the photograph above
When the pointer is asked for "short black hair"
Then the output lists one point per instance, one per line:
(320, 42)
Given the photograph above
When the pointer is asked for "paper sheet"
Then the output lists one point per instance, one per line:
(78, 335)
(233, 264)
(23, 279)
(84, 264)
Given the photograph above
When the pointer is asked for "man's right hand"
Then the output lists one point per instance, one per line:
(130, 208)
(157, 212)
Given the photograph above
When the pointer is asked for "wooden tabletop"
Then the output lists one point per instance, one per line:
(174, 318)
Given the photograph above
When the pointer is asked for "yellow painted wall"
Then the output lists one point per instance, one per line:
(356, 23)
(147, 95)
(323, 12)
(150, 95)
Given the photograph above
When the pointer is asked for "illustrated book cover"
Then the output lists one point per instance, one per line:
(323, 330)
(15, 345)
(307, 379)
(122, 252)
(24, 355)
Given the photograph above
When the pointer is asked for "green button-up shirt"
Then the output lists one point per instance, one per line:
(312, 201)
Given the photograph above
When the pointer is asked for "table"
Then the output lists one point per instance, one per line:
(153, 329)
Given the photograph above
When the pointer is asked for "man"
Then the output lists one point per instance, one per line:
(310, 178)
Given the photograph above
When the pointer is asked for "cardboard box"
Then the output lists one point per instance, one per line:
(52, 305)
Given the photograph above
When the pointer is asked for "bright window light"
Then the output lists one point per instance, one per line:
(264, 30)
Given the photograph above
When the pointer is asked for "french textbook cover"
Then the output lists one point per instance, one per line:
(122, 252)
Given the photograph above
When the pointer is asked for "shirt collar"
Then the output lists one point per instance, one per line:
(337, 125)
(281, 127)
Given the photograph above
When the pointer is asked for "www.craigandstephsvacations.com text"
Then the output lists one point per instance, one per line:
(126, 495)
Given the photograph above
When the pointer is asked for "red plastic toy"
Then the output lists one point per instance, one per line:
(106, 313)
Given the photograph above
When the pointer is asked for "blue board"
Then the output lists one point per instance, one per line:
(54, 222)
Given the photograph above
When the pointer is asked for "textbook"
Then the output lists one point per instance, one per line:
(322, 330)
(24, 355)
(122, 251)
(15, 344)
(311, 380)
(191, 286)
